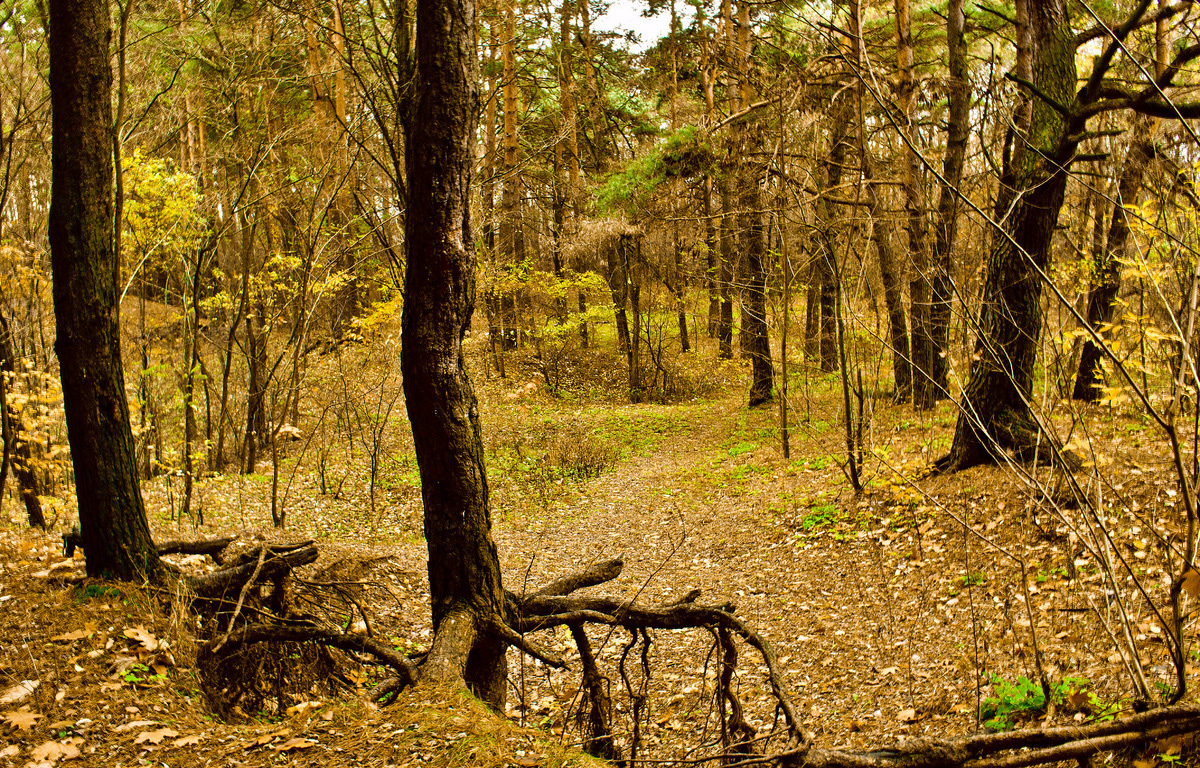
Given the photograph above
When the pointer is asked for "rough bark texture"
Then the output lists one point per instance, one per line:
(995, 413)
(439, 298)
(84, 264)
(762, 382)
(1106, 281)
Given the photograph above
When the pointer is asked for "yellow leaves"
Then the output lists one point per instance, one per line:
(161, 214)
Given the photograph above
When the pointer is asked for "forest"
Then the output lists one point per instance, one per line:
(463, 382)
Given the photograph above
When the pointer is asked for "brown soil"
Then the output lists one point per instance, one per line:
(890, 610)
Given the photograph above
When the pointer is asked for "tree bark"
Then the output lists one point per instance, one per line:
(996, 415)
(439, 298)
(85, 268)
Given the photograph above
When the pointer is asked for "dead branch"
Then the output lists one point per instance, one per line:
(262, 633)
(1026, 748)
(596, 574)
(211, 547)
(219, 583)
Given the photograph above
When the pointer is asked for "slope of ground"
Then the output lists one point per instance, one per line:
(897, 611)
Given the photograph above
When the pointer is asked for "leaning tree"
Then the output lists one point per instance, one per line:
(85, 268)
(996, 415)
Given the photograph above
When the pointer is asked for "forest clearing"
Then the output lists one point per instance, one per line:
(443, 383)
(892, 613)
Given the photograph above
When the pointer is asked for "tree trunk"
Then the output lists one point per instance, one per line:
(710, 262)
(881, 229)
(439, 299)
(825, 342)
(914, 205)
(16, 442)
(85, 269)
(512, 231)
(1106, 280)
(995, 413)
(927, 389)
(727, 257)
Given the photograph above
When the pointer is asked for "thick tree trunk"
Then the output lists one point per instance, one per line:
(85, 270)
(754, 318)
(995, 414)
(439, 298)
(1106, 280)
(755, 343)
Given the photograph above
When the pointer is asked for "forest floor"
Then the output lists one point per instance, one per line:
(894, 612)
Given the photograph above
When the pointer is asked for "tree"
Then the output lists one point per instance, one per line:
(85, 268)
(439, 299)
(996, 413)
(930, 344)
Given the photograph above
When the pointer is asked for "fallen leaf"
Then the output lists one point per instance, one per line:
(139, 633)
(293, 744)
(1172, 746)
(188, 741)
(302, 707)
(19, 692)
(22, 720)
(155, 737)
(79, 634)
(908, 715)
(134, 725)
(12, 750)
(1148, 763)
(1191, 583)
(53, 751)
(266, 738)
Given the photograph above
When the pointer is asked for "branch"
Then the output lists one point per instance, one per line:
(1103, 30)
(1042, 746)
(218, 583)
(259, 633)
(1059, 108)
(595, 574)
(516, 640)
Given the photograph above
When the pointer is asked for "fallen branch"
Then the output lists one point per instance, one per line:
(1026, 748)
(262, 633)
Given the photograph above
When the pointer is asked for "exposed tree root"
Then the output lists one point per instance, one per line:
(256, 619)
(1011, 431)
